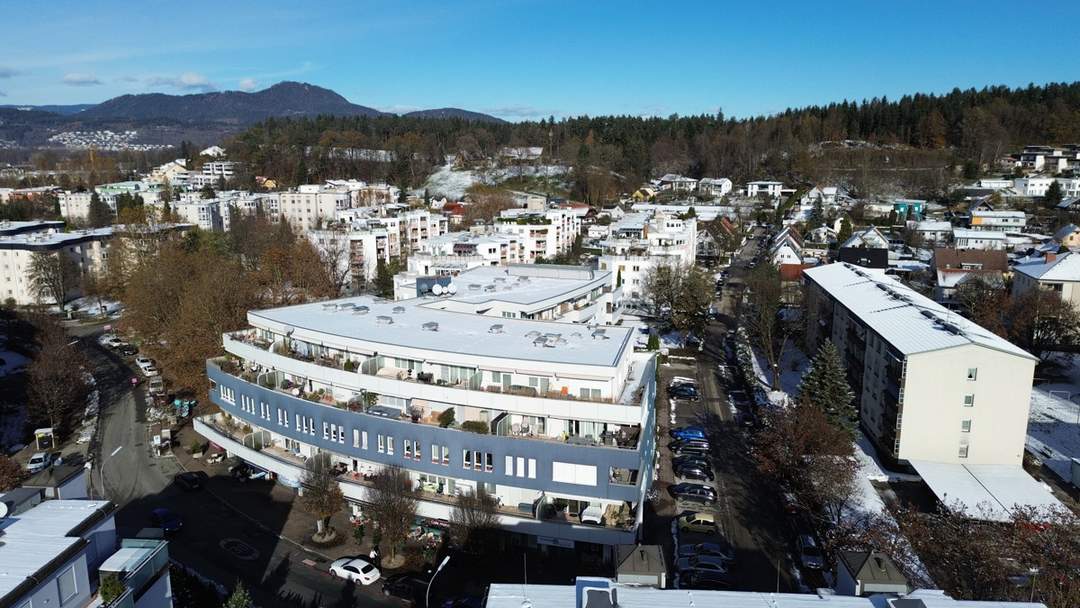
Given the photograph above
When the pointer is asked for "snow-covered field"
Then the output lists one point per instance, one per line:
(1054, 425)
(452, 183)
(793, 364)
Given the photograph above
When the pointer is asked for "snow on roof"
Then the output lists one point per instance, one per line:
(869, 237)
(1066, 231)
(1001, 214)
(503, 595)
(527, 283)
(34, 538)
(985, 491)
(933, 225)
(1064, 267)
(48, 239)
(905, 318)
(986, 235)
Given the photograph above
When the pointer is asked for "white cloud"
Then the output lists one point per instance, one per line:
(188, 81)
(77, 79)
(248, 84)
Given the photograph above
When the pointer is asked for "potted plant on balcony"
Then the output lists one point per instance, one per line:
(110, 588)
(350, 365)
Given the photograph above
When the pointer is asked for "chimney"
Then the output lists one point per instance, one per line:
(1051, 258)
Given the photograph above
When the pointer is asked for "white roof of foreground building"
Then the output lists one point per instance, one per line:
(908, 320)
(34, 539)
(410, 324)
(985, 491)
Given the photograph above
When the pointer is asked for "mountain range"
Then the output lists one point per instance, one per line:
(285, 99)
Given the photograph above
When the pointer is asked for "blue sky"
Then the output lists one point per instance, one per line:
(523, 59)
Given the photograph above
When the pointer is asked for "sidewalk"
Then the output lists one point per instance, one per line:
(271, 506)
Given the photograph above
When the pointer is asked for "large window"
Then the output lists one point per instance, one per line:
(67, 584)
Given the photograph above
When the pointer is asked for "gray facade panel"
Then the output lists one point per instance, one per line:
(544, 452)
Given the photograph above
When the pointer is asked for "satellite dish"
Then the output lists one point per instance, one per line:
(3, 510)
(451, 288)
(437, 289)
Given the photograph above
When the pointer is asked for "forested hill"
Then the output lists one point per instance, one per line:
(970, 124)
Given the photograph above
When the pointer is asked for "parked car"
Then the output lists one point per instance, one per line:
(150, 372)
(687, 443)
(691, 460)
(355, 569)
(408, 586)
(696, 473)
(810, 555)
(704, 579)
(713, 549)
(593, 514)
(693, 491)
(156, 386)
(681, 380)
(698, 522)
(689, 450)
(189, 480)
(688, 432)
(688, 393)
(143, 362)
(698, 563)
(128, 350)
(167, 520)
(38, 462)
(113, 342)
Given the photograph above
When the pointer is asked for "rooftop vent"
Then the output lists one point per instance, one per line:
(346, 306)
(928, 314)
(384, 320)
(430, 326)
(329, 306)
(475, 287)
(489, 288)
(361, 310)
(496, 329)
(500, 279)
(600, 334)
(398, 310)
(532, 334)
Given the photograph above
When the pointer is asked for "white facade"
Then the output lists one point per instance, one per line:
(204, 213)
(544, 234)
(999, 221)
(1058, 273)
(979, 239)
(454, 252)
(929, 385)
(86, 249)
(641, 241)
(773, 189)
(311, 206)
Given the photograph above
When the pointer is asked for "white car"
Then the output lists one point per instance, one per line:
(355, 569)
(38, 462)
(112, 342)
(143, 362)
(149, 371)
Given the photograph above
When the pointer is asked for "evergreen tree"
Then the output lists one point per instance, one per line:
(384, 280)
(1053, 194)
(99, 214)
(825, 386)
(845, 231)
(240, 598)
(817, 215)
(618, 278)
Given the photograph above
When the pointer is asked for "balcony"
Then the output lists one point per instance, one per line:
(345, 363)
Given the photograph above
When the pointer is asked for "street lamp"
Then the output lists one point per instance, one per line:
(427, 595)
(101, 470)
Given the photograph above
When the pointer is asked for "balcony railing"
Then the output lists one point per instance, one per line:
(473, 383)
(625, 437)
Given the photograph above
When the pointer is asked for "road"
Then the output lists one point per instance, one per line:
(217, 541)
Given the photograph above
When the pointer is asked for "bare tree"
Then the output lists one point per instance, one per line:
(392, 506)
(770, 332)
(52, 277)
(56, 383)
(11, 473)
(661, 287)
(473, 518)
(322, 495)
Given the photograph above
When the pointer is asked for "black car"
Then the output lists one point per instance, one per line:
(407, 586)
(680, 444)
(128, 350)
(689, 450)
(684, 391)
(693, 491)
(697, 473)
(692, 460)
(703, 579)
(189, 481)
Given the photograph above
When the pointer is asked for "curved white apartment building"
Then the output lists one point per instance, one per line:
(559, 406)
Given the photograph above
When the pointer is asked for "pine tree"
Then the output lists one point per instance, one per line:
(240, 598)
(98, 214)
(384, 280)
(825, 386)
(618, 278)
(1053, 194)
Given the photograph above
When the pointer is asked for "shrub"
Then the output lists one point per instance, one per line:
(110, 588)
(196, 446)
(446, 417)
(654, 342)
(350, 365)
(475, 426)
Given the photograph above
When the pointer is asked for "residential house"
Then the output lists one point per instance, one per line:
(866, 247)
(868, 572)
(770, 188)
(979, 239)
(955, 267)
(714, 187)
(1056, 272)
(678, 183)
(1068, 236)
(932, 232)
(640, 242)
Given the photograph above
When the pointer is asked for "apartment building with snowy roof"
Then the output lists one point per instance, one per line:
(933, 390)
(553, 410)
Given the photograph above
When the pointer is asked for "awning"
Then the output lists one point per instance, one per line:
(985, 491)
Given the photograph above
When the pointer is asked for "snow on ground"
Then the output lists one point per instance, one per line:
(451, 183)
(793, 364)
(1054, 423)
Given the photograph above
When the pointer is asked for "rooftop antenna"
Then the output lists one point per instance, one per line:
(525, 603)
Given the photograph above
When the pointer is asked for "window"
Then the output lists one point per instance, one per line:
(282, 418)
(408, 448)
(963, 451)
(382, 444)
(363, 440)
(590, 393)
(434, 454)
(264, 410)
(973, 373)
(325, 430)
(969, 400)
(227, 394)
(965, 426)
(445, 455)
(466, 459)
(247, 404)
(298, 422)
(416, 450)
(532, 468)
(508, 466)
(390, 445)
(520, 466)
(355, 438)
(67, 584)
